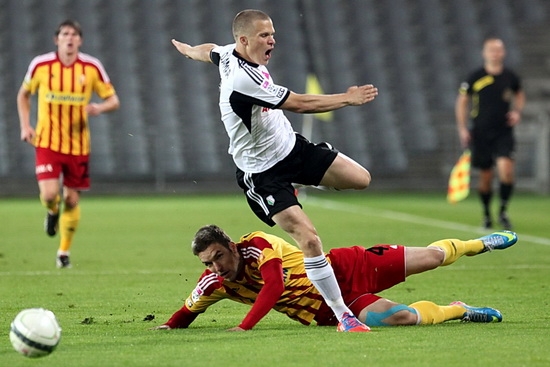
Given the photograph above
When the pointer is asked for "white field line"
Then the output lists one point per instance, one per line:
(410, 218)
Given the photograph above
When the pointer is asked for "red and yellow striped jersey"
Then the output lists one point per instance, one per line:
(63, 93)
(300, 299)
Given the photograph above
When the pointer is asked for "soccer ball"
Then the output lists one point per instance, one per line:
(35, 332)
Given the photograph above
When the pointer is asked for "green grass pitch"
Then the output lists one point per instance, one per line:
(132, 259)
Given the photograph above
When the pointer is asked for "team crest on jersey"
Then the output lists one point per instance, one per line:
(270, 200)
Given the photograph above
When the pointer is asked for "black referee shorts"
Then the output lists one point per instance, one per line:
(486, 149)
(271, 191)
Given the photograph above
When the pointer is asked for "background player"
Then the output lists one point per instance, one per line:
(64, 81)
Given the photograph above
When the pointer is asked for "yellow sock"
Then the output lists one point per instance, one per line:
(430, 313)
(52, 206)
(68, 223)
(454, 249)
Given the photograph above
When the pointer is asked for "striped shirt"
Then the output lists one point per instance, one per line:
(63, 93)
(259, 133)
(300, 299)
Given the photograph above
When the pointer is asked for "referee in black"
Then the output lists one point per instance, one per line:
(492, 100)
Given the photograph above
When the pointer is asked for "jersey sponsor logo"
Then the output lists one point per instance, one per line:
(203, 285)
(65, 98)
(273, 89)
(196, 294)
(43, 168)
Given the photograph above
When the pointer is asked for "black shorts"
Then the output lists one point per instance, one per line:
(486, 149)
(271, 191)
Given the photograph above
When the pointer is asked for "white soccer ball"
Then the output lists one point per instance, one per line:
(35, 332)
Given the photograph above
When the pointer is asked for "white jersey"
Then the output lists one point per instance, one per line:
(260, 135)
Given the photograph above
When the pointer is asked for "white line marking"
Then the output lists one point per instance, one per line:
(410, 218)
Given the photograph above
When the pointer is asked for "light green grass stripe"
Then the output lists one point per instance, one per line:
(74, 272)
(410, 218)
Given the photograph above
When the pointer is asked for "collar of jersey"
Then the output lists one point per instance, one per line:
(238, 56)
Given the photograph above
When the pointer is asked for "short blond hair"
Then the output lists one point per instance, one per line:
(244, 20)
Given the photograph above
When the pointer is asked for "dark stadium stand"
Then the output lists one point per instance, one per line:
(168, 127)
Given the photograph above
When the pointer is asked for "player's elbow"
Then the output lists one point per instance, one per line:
(115, 103)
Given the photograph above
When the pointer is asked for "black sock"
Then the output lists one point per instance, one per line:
(505, 194)
(486, 201)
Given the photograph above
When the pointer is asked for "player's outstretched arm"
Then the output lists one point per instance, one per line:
(314, 103)
(199, 52)
(181, 319)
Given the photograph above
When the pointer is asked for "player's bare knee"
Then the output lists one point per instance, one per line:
(49, 198)
(396, 315)
(435, 258)
(403, 317)
(363, 182)
(311, 247)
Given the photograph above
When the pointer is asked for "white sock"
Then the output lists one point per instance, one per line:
(321, 274)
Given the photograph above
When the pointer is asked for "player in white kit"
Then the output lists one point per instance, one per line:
(270, 157)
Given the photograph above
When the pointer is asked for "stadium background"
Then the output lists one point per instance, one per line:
(168, 137)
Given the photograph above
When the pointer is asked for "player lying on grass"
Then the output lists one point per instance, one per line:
(266, 272)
